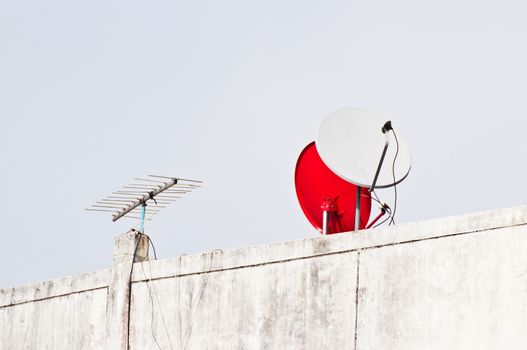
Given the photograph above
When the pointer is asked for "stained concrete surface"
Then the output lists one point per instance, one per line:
(73, 321)
(300, 304)
(460, 292)
(449, 283)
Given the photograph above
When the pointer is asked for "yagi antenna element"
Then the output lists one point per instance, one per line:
(151, 195)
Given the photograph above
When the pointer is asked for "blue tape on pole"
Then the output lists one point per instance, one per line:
(143, 212)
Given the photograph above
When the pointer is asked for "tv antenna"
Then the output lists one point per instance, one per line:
(145, 196)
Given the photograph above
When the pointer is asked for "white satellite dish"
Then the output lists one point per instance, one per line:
(354, 145)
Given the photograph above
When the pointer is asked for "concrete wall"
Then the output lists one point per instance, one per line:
(451, 283)
(67, 313)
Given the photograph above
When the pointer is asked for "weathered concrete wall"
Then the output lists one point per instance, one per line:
(451, 283)
(306, 303)
(461, 292)
(67, 313)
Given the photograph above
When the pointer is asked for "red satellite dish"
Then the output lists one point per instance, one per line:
(319, 189)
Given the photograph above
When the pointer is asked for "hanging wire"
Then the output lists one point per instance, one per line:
(382, 222)
(378, 201)
(392, 221)
(200, 296)
(151, 286)
(153, 247)
(383, 205)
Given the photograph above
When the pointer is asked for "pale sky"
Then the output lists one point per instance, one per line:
(93, 94)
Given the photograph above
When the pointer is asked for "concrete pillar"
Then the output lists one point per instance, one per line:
(128, 248)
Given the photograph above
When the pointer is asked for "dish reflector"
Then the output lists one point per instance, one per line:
(351, 142)
(319, 189)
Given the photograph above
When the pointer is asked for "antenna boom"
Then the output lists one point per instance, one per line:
(143, 199)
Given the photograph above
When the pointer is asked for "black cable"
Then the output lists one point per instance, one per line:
(376, 196)
(137, 246)
(378, 201)
(135, 253)
(150, 292)
(384, 207)
(382, 222)
(153, 247)
(130, 286)
(392, 221)
(374, 199)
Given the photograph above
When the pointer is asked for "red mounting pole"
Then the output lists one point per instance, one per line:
(383, 211)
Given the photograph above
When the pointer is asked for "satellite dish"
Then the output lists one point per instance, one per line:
(353, 143)
(327, 200)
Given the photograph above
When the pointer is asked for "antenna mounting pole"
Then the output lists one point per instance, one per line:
(357, 208)
(143, 213)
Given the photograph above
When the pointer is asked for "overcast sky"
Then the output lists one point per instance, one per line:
(95, 93)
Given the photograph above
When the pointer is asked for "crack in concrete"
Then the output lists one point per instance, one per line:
(53, 296)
